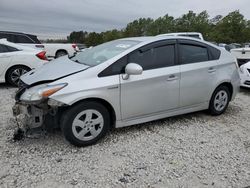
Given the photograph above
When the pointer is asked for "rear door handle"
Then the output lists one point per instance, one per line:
(172, 78)
(211, 70)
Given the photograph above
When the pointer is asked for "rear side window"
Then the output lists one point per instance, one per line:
(153, 58)
(23, 39)
(9, 37)
(3, 48)
(35, 39)
(11, 49)
(192, 53)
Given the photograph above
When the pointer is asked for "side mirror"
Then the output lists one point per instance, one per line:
(132, 69)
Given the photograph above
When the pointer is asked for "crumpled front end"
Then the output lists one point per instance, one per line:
(41, 113)
(29, 116)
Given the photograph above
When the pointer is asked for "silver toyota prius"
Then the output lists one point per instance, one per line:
(125, 82)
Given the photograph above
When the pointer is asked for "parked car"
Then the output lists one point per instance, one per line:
(126, 82)
(53, 50)
(245, 75)
(185, 34)
(242, 55)
(16, 60)
(22, 39)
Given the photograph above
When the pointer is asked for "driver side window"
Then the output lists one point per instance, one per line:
(156, 55)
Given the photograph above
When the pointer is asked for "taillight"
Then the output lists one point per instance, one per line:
(75, 47)
(41, 55)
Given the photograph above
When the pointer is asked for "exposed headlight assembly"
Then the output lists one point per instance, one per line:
(40, 92)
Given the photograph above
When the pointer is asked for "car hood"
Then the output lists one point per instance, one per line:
(53, 70)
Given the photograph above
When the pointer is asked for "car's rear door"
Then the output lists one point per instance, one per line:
(198, 73)
(157, 89)
(5, 58)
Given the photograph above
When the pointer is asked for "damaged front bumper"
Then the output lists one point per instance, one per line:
(32, 115)
(35, 118)
(28, 116)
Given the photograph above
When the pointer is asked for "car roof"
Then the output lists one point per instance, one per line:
(21, 47)
(17, 33)
(148, 39)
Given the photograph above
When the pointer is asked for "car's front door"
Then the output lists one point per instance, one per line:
(157, 89)
(198, 73)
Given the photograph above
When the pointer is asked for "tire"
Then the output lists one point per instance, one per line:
(13, 74)
(219, 101)
(85, 123)
(61, 53)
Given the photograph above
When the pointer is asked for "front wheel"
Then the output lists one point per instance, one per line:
(85, 123)
(219, 101)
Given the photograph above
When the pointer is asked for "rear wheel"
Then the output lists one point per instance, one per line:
(85, 123)
(219, 101)
(13, 74)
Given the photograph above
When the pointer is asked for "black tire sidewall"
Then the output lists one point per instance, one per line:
(9, 72)
(60, 54)
(212, 110)
(69, 116)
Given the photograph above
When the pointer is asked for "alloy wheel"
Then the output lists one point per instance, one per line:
(87, 125)
(220, 100)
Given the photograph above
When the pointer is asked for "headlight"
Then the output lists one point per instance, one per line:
(39, 92)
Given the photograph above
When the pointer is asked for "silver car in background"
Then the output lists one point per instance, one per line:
(126, 82)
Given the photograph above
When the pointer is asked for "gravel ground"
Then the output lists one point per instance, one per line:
(194, 150)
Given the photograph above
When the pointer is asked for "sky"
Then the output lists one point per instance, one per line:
(58, 18)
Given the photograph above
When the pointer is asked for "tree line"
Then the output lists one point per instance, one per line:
(232, 28)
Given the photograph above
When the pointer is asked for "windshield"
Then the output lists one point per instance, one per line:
(101, 53)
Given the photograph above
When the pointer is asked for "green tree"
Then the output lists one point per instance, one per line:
(232, 28)
(138, 27)
(94, 39)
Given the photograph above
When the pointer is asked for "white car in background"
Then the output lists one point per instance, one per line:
(16, 60)
(245, 75)
(53, 50)
(243, 58)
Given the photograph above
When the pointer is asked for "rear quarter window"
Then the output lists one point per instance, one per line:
(23, 39)
(214, 54)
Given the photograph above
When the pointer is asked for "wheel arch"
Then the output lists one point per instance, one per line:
(61, 50)
(229, 85)
(16, 65)
(105, 103)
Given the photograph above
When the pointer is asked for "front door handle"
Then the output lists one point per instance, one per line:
(172, 78)
(211, 70)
